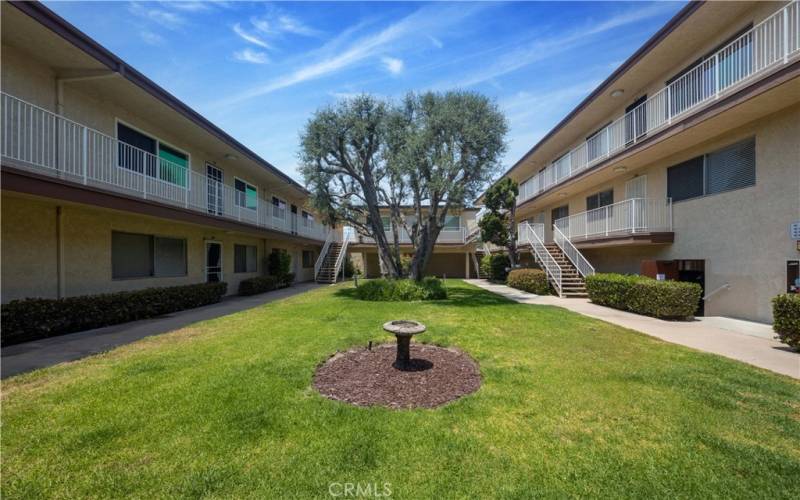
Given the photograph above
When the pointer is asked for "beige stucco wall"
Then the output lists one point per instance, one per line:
(742, 235)
(29, 243)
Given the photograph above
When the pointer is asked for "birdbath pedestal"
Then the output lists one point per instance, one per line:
(403, 329)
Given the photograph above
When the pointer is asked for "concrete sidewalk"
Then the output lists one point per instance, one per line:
(46, 352)
(741, 340)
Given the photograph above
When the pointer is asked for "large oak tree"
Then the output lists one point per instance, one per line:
(432, 152)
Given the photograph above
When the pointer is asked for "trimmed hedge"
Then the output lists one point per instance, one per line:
(494, 266)
(261, 284)
(643, 295)
(610, 289)
(31, 319)
(430, 288)
(786, 319)
(529, 280)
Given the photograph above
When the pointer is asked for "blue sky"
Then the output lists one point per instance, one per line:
(259, 70)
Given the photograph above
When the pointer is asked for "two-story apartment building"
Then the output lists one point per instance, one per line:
(110, 183)
(683, 164)
(454, 255)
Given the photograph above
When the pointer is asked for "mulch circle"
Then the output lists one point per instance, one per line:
(364, 377)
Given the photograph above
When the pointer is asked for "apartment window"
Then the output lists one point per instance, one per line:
(163, 162)
(387, 223)
(732, 167)
(245, 259)
(559, 213)
(246, 194)
(308, 219)
(278, 208)
(452, 223)
(308, 258)
(144, 255)
(600, 199)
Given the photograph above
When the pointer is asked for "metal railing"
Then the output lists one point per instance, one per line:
(445, 236)
(534, 236)
(347, 234)
(332, 236)
(572, 253)
(634, 215)
(38, 140)
(771, 42)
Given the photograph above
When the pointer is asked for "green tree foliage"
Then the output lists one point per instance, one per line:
(498, 224)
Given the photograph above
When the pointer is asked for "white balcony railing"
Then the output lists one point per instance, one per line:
(533, 235)
(770, 43)
(445, 236)
(635, 215)
(40, 141)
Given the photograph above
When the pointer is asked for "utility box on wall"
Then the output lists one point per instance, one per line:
(652, 268)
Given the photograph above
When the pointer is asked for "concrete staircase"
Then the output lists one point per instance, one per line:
(327, 271)
(572, 284)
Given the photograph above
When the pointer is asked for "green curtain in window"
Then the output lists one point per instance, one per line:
(251, 197)
(174, 169)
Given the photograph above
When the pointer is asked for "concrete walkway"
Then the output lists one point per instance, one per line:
(741, 340)
(46, 352)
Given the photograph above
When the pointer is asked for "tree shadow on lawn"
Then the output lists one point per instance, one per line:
(460, 296)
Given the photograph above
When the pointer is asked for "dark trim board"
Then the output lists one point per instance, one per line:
(21, 181)
(661, 238)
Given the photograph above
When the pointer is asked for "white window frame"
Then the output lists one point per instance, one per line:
(280, 200)
(445, 228)
(236, 201)
(153, 256)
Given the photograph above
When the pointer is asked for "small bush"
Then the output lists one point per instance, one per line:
(31, 319)
(260, 284)
(643, 295)
(279, 264)
(495, 267)
(529, 280)
(786, 319)
(430, 288)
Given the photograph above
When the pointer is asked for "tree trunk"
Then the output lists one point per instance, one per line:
(423, 252)
(512, 236)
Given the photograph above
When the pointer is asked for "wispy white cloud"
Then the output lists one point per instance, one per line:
(350, 52)
(249, 37)
(277, 23)
(189, 6)
(251, 56)
(151, 38)
(393, 65)
(547, 47)
(289, 24)
(435, 41)
(166, 19)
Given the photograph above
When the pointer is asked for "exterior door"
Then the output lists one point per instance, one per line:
(636, 188)
(213, 261)
(215, 178)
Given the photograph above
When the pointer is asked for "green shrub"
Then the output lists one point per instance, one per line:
(279, 263)
(529, 280)
(786, 319)
(495, 267)
(610, 289)
(31, 319)
(430, 288)
(643, 295)
(260, 284)
(664, 299)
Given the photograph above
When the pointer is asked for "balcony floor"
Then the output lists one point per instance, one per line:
(624, 239)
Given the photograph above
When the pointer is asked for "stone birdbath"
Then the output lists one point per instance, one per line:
(403, 329)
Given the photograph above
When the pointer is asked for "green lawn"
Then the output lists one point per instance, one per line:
(569, 406)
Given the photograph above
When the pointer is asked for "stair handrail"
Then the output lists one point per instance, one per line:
(347, 235)
(324, 252)
(527, 235)
(573, 254)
